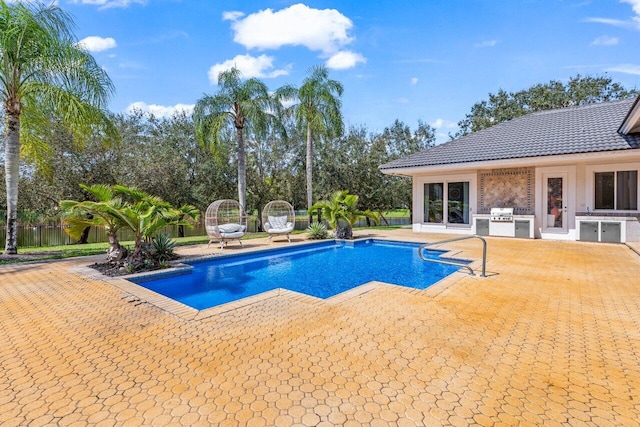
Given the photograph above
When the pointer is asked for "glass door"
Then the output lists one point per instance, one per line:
(433, 207)
(458, 203)
(556, 207)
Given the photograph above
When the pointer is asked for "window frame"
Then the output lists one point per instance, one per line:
(445, 180)
(615, 169)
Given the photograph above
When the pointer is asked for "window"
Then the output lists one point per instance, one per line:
(627, 191)
(616, 190)
(433, 207)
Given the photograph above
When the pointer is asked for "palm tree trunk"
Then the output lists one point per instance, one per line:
(242, 171)
(309, 171)
(11, 169)
(137, 258)
(116, 252)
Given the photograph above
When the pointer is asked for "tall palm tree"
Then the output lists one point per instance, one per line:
(240, 104)
(318, 114)
(44, 74)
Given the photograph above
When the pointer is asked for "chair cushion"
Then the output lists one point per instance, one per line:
(234, 235)
(286, 230)
(230, 228)
(278, 222)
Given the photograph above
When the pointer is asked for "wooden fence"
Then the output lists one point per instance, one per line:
(54, 235)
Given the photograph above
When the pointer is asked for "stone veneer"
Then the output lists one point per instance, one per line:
(506, 188)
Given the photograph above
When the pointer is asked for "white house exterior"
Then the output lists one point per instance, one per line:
(567, 174)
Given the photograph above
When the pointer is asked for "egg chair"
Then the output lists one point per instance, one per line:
(225, 220)
(278, 218)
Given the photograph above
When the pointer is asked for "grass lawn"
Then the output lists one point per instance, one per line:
(69, 251)
(42, 253)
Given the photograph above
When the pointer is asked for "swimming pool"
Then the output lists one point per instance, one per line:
(321, 270)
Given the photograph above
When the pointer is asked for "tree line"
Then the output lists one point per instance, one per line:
(162, 156)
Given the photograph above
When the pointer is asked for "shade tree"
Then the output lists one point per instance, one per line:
(503, 105)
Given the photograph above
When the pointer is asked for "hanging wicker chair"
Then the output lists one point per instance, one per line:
(278, 217)
(225, 220)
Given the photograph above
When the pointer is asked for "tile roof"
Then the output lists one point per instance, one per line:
(585, 129)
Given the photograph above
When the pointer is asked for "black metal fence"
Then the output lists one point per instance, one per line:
(54, 235)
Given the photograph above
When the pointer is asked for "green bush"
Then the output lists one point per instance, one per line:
(317, 231)
(162, 248)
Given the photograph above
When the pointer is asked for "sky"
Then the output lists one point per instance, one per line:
(410, 60)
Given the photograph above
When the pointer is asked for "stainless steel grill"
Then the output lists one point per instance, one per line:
(502, 214)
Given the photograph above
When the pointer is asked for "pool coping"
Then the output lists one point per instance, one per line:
(142, 294)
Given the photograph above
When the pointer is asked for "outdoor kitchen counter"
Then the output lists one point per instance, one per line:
(519, 226)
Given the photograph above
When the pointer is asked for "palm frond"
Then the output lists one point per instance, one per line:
(101, 192)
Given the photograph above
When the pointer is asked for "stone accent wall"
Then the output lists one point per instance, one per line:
(507, 188)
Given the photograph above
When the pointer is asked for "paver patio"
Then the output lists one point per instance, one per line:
(552, 337)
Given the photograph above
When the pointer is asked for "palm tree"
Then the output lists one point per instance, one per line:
(240, 104)
(100, 213)
(318, 114)
(118, 207)
(145, 215)
(341, 213)
(44, 74)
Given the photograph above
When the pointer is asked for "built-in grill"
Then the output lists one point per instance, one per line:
(502, 214)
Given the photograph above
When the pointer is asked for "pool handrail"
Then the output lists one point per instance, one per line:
(455, 239)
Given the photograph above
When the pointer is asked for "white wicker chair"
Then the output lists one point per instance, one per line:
(278, 218)
(225, 220)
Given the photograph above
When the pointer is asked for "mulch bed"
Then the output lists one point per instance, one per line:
(112, 270)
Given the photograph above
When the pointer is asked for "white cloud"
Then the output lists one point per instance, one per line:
(249, 66)
(414, 81)
(402, 100)
(98, 44)
(324, 30)
(442, 123)
(486, 43)
(345, 59)
(625, 68)
(635, 5)
(613, 22)
(634, 23)
(107, 4)
(160, 110)
(232, 15)
(605, 41)
(321, 30)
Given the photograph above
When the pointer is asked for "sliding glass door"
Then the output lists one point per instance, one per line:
(446, 200)
(433, 206)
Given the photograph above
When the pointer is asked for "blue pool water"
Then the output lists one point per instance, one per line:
(321, 270)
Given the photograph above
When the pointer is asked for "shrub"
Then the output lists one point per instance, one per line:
(162, 248)
(317, 231)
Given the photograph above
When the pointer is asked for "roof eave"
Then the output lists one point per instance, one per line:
(615, 155)
(631, 122)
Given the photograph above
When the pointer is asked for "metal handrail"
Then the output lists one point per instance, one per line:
(484, 254)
